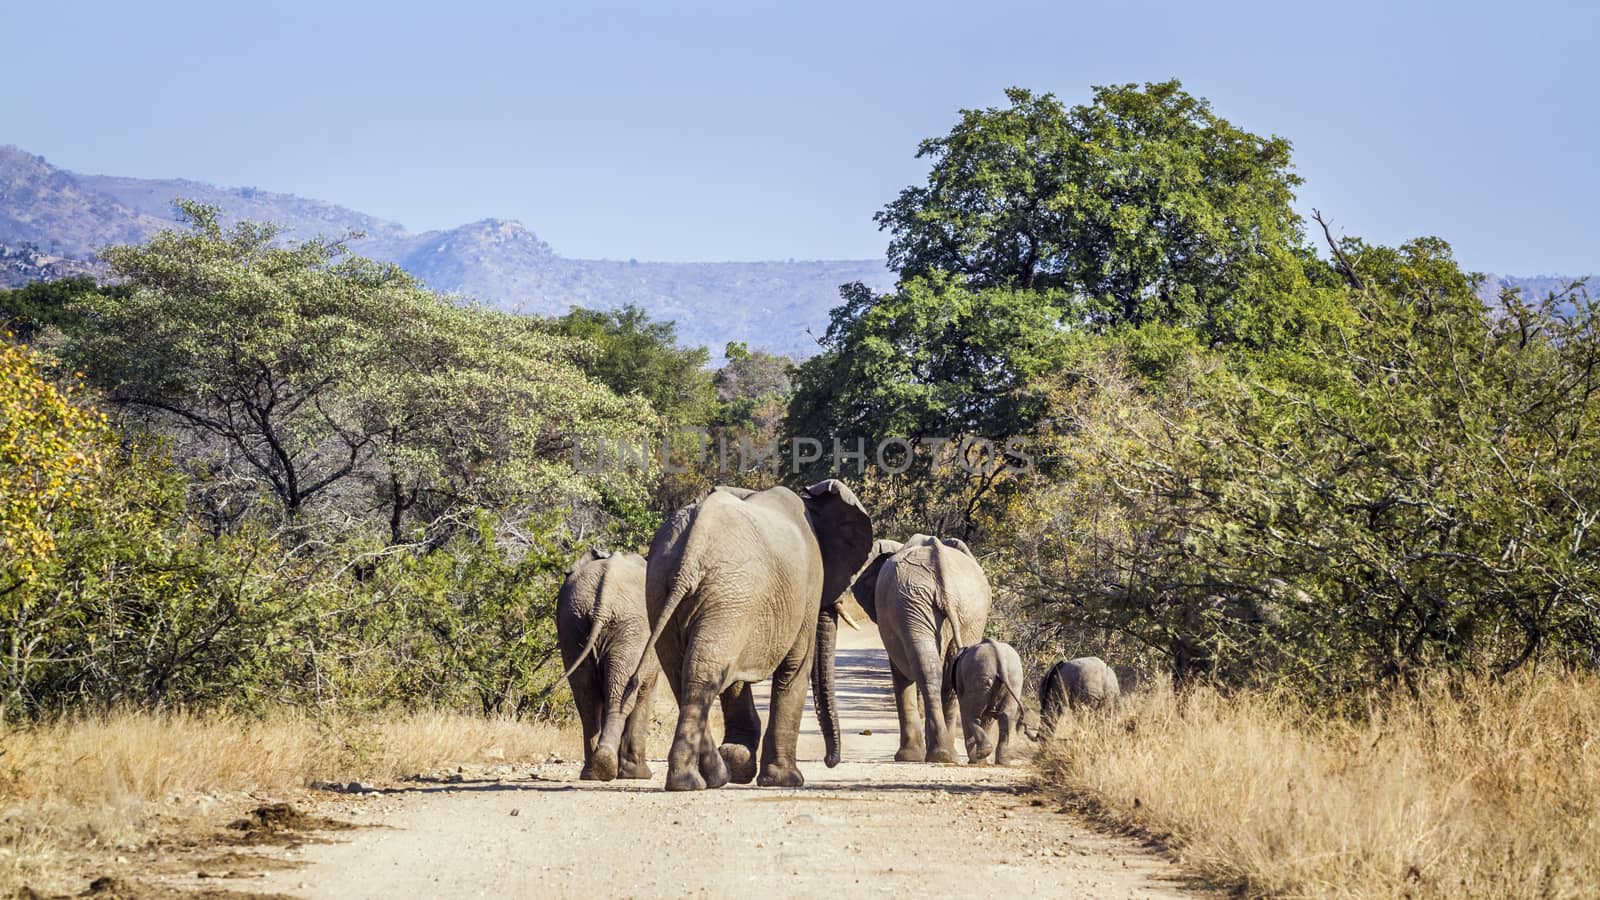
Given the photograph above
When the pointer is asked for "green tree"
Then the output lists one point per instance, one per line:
(933, 361)
(639, 357)
(1141, 206)
(1416, 491)
(313, 376)
(33, 309)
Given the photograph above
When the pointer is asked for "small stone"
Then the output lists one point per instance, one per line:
(457, 778)
(866, 731)
(516, 812)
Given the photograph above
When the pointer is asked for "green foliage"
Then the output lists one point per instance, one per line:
(469, 626)
(108, 595)
(936, 359)
(33, 309)
(1416, 491)
(638, 357)
(335, 384)
(1141, 206)
(416, 457)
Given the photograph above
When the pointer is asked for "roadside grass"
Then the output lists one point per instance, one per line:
(1474, 789)
(82, 786)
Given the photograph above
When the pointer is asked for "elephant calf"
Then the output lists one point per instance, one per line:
(1085, 682)
(604, 631)
(988, 680)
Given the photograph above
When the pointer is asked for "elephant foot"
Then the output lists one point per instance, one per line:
(632, 768)
(714, 770)
(685, 779)
(741, 762)
(603, 765)
(977, 758)
(774, 775)
(587, 774)
(941, 755)
(910, 754)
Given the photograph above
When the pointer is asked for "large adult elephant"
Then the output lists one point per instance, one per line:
(603, 628)
(929, 598)
(743, 586)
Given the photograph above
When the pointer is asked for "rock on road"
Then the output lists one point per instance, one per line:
(871, 826)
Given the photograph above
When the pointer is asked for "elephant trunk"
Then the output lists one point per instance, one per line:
(822, 688)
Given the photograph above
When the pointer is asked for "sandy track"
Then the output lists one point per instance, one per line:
(870, 826)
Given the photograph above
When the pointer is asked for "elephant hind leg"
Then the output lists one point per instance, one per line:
(591, 709)
(741, 733)
(789, 685)
(636, 733)
(974, 726)
(693, 763)
(930, 683)
(912, 748)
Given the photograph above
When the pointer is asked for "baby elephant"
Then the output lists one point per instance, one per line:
(1085, 682)
(604, 631)
(988, 680)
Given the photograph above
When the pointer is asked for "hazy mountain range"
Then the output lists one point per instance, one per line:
(52, 221)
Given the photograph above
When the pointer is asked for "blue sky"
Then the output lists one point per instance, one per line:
(770, 131)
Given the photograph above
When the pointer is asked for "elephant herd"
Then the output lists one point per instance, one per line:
(746, 585)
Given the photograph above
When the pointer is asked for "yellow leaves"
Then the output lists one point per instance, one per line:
(50, 450)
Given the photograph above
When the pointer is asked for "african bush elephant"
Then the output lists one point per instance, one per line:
(929, 597)
(988, 682)
(1085, 682)
(742, 586)
(603, 628)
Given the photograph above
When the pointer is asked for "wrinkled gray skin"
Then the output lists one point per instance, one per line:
(742, 586)
(929, 597)
(988, 681)
(603, 628)
(1082, 683)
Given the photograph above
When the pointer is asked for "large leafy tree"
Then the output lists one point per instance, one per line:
(315, 377)
(1143, 204)
(636, 356)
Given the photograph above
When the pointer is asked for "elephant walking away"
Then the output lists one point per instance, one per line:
(743, 586)
(988, 681)
(1082, 683)
(603, 629)
(929, 597)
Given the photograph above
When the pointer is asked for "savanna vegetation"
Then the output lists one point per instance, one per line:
(1348, 506)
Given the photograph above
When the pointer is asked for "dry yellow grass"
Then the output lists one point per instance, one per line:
(116, 781)
(1488, 790)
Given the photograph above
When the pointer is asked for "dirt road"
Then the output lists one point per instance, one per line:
(870, 826)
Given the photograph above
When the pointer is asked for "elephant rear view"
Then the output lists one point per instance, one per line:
(929, 597)
(743, 586)
(1082, 683)
(603, 629)
(988, 680)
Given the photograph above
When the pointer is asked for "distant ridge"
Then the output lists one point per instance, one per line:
(52, 222)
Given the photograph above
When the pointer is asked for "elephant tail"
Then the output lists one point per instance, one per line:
(682, 583)
(588, 648)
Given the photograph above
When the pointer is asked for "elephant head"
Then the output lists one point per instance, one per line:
(591, 555)
(844, 536)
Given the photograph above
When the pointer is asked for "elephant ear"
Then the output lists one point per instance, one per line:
(865, 587)
(958, 544)
(589, 556)
(844, 534)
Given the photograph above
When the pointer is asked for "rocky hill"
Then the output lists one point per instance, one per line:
(53, 221)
